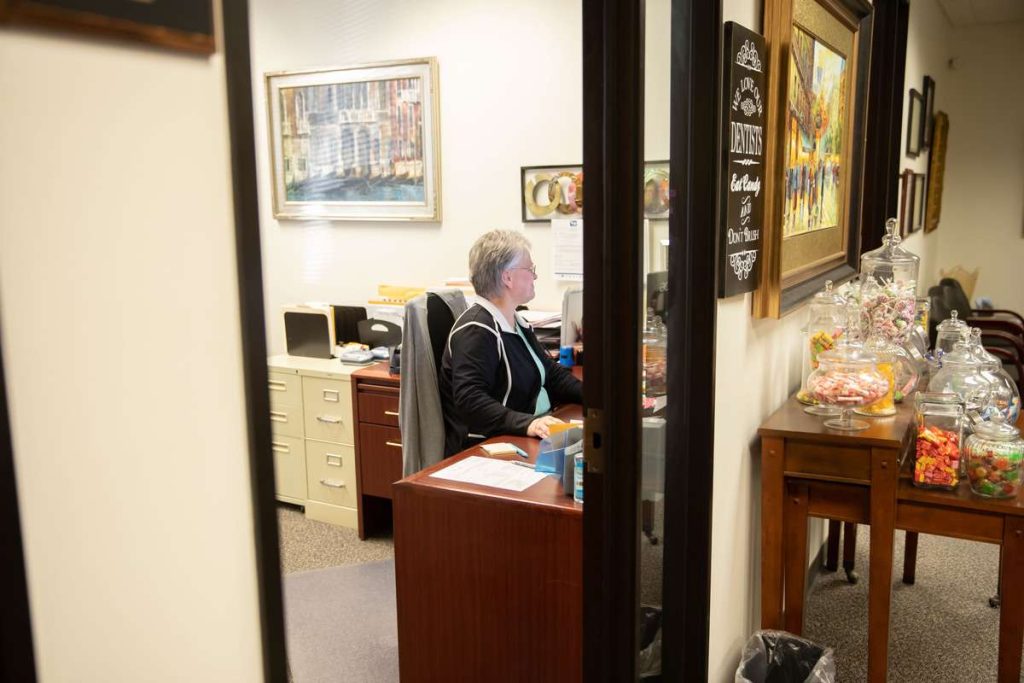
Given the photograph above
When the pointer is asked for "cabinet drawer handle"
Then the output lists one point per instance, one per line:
(334, 460)
(392, 413)
(278, 416)
(328, 419)
(280, 447)
(331, 395)
(333, 483)
(277, 385)
(392, 443)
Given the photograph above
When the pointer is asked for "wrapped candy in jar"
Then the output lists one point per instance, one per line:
(937, 451)
(847, 377)
(825, 326)
(994, 454)
(888, 295)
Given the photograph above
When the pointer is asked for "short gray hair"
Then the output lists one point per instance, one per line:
(492, 254)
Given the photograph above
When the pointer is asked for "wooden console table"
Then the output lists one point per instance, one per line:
(808, 470)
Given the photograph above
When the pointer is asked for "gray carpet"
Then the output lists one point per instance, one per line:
(340, 624)
(306, 544)
(941, 628)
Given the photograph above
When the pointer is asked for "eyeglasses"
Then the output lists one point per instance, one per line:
(532, 269)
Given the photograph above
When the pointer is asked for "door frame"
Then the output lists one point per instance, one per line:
(613, 77)
(17, 658)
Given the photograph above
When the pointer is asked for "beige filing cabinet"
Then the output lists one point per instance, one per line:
(313, 437)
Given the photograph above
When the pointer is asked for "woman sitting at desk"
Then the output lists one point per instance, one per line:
(495, 376)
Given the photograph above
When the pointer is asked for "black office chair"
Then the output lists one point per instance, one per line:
(440, 320)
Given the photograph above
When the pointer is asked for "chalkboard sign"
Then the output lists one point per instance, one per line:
(743, 144)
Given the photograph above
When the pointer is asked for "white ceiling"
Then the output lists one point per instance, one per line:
(971, 12)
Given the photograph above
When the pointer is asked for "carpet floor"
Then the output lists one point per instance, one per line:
(306, 544)
(340, 624)
(941, 628)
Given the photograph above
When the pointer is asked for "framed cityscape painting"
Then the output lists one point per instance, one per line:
(818, 72)
(357, 143)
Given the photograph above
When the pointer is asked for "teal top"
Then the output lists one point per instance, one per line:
(543, 402)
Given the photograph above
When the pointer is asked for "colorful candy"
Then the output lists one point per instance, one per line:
(995, 471)
(848, 388)
(937, 460)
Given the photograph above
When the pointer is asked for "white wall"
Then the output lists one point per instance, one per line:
(510, 96)
(122, 353)
(982, 224)
(928, 51)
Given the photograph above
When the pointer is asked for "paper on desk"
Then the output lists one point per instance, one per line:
(487, 472)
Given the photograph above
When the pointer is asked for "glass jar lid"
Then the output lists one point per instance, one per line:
(848, 355)
(890, 254)
(960, 357)
(951, 323)
(996, 429)
(981, 354)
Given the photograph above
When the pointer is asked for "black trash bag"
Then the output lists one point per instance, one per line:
(781, 657)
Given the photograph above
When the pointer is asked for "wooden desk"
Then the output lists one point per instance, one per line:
(378, 445)
(489, 582)
(809, 470)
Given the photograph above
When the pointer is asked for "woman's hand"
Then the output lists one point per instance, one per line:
(541, 426)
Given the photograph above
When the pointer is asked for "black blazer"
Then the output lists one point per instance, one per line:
(490, 383)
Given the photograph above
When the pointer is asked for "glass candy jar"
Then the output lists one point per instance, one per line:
(948, 333)
(994, 455)
(826, 324)
(847, 377)
(937, 453)
(961, 375)
(1004, 396)
(888, 295)
(891, 262)
(654, 356)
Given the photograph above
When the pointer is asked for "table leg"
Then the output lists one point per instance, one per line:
(772, 456)
(1011, 611)
(795, 524)
(832, 556)
(910, 559)
(850, 551)
(884, 477)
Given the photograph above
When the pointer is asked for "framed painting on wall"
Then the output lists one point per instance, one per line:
(357, 143)
(936, 171)
(906, 201)
(817, 90)
(929, 112)
(182, 25)
(917, 215)
(915, 124)
(549, 192)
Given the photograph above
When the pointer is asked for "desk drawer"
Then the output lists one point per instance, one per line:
(378, 405)
(286, 419)
(331, 473)
(380, 459)
(284, 389)
(289, 466)
(830, 463)
(327, 410)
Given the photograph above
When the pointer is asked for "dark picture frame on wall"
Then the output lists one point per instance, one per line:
(181, 25)
(929, 112)
(917, 215)
(915, 121)
(818, 52)
(906, 201)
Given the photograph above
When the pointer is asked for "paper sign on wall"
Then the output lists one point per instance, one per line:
(567, 256)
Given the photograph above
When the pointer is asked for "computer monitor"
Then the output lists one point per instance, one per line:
(657, 293)
(572, 317)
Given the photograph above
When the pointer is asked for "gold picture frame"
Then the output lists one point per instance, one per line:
(356, 143)
(936, 171)
(817, 91)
